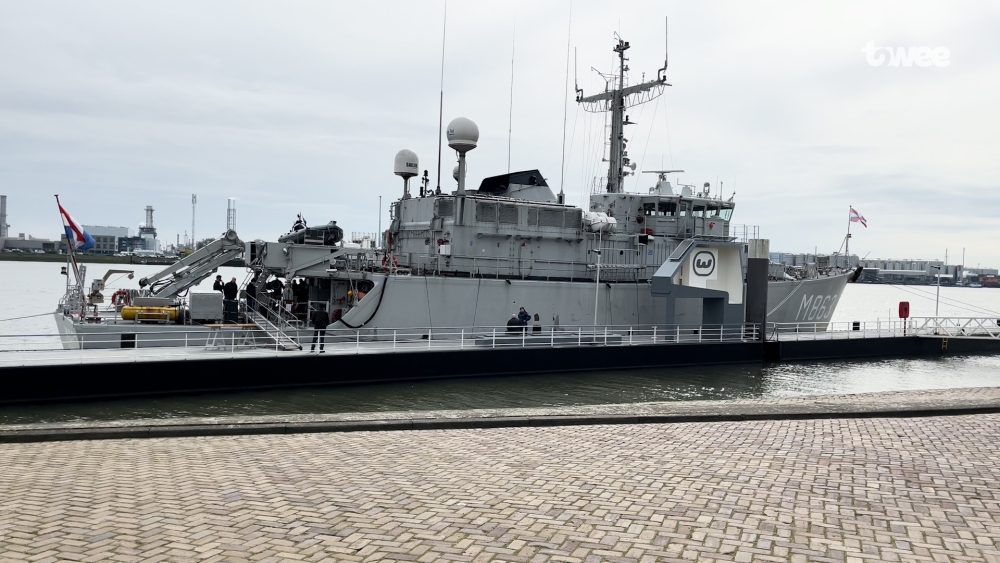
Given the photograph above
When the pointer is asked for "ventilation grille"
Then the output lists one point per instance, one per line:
(532, 216)
(574, 219)
(508, 214)
(486, 212)
(445, 207)
(550, 218)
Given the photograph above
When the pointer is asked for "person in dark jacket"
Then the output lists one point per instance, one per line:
(251, 296)
(524, 317)
(218, 285)
(320, 320)
(514, 325)
(230, 290)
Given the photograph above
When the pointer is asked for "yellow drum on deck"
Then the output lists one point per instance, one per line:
(150, 314)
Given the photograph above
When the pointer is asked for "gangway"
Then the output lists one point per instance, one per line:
(281, 338)
(268, 316)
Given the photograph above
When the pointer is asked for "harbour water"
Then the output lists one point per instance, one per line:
(31, 288)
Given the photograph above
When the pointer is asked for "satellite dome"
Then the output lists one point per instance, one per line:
(406, 164)
(454, 173)
(463, 134)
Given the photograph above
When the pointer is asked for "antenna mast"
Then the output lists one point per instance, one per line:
(444, 35)
(562, 173)
(615, 99)
(510, 114)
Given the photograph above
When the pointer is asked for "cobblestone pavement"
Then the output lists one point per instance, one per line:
(900, 489)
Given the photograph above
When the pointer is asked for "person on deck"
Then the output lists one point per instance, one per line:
(251, 296)
(514, 324)
(230, 290)
(320, 320)
(218, 285)
(524, 317)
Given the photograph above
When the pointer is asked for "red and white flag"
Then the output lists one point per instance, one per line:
(858, 218)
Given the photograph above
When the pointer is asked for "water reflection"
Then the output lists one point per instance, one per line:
(588, 388)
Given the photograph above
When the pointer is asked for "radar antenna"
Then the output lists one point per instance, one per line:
(615, 99)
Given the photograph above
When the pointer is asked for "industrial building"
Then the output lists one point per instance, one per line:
(910, 271)
(821, 261)
(106, 238)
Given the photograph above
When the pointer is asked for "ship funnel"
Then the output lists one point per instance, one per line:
(406, 165)
(463, 134)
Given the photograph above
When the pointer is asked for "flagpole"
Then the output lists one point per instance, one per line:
(71, 258)
(847, 241)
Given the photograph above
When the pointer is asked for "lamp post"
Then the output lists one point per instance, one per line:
(937, 298)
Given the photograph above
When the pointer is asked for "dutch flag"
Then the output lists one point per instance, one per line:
(79, 238)
(858, 218)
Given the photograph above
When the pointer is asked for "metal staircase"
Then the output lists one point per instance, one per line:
(273, 324)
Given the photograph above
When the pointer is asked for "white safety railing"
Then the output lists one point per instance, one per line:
(243, 340)
(955, 327)
(949, 327)
(880, 328)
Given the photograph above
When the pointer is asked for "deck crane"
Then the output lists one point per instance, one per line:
(195, 267)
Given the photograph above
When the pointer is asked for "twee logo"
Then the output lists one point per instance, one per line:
(906, 56)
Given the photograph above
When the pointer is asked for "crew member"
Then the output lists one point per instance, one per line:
(320, 320)
(218, 285)
(514, 325)
(230, 290)
(524, 317)
(252, 295)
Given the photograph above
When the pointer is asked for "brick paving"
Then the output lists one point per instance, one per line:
(853, 490)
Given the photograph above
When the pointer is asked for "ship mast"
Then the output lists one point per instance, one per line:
(616, 98)
(617, 152)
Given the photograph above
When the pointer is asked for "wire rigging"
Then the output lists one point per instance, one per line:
(947, 301)
(26, 317)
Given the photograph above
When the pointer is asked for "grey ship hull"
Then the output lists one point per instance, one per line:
(441, 302)
(478, 304)
(806, 301)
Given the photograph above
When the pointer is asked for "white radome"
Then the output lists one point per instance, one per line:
(454, 173)
(463, 134)
(406, 164)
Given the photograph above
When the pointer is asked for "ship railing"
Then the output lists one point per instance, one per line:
(540, 335)
(744, 233)
(272, 310)
(241, 341)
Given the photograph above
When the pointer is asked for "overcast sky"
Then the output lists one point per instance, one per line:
(300, 107)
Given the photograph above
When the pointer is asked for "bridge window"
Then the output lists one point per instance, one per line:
(699, 210)
(668, 208)
(726, 212)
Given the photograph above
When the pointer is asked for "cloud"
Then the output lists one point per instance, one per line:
(301, 107)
